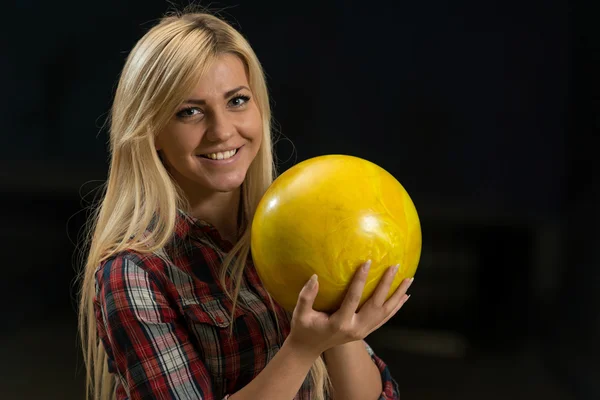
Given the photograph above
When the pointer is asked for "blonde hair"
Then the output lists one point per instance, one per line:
(167, 61)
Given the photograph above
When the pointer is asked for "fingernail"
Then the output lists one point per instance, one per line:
(411, 281)
(407, 297)
(312, 281)
(395, 269)
(367, 266)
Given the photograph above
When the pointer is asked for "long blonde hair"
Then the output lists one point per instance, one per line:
(158, 74)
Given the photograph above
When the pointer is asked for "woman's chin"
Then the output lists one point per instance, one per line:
(226, 185)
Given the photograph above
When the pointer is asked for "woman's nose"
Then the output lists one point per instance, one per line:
(220, 128)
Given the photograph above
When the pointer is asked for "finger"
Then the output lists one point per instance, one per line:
(391, 314)
(398, 295)
(383, 288)
(355, 291)
(307, 295)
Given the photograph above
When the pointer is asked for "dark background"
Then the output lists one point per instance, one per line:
(486, 111)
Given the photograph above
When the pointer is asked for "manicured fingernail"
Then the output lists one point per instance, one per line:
(312, 281)
(395, 269)
(407, 297)
(411, 281)
(367, 266)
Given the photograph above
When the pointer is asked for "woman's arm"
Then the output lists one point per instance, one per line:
(281, 378)
(353, 373)
(349, 367)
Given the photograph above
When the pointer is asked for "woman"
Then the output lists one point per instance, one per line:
(171, 305)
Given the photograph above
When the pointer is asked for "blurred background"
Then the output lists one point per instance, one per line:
(484, 110)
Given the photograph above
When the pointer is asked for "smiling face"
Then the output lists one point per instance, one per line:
(215, 134)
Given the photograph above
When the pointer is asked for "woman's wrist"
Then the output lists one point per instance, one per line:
(297, 345)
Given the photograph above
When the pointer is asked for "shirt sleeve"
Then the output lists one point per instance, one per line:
(390, 386)
(150, 348)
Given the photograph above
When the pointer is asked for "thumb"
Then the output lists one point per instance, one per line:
(307, 295)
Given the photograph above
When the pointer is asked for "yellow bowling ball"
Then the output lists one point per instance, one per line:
(327, 215)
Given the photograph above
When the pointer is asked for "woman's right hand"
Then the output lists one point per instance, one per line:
(314, 331)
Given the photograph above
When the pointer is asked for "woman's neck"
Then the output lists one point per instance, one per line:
(220, 209)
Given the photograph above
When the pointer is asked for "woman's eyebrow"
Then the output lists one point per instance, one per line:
(227, 94)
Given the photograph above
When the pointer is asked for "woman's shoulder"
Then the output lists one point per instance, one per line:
(128, 262)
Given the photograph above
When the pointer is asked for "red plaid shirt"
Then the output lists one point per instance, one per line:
(164, 323)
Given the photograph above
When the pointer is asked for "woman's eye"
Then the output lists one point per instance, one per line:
(189, 112)
(239, 101)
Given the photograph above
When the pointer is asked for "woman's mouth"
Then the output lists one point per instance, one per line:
(221, 155)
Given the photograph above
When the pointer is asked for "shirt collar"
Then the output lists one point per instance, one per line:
(187, 225)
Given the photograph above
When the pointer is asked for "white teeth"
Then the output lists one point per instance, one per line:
(221, 156)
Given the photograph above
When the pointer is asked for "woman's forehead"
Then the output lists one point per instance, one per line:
(226, 73)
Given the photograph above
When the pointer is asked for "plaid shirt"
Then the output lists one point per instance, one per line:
(165, 322)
